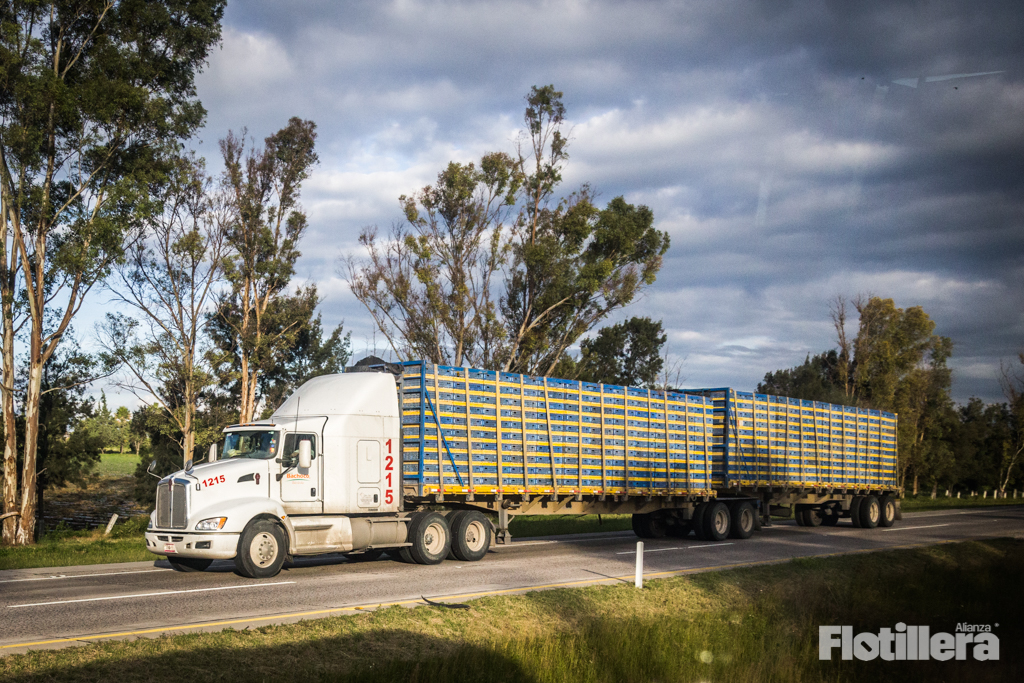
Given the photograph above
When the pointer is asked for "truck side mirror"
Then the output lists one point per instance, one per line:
(305, 455)
(213, 453)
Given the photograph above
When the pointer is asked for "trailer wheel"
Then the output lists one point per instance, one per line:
(798, 515)
(471, 536)
(697, 521)
(430, 537)
(742, 520)
(829, 515)
(651, 525)
(870, 512)
(812, 517)
(855, 510)
(716, 522)
(261, 550)
(189, 564)
(888, 511)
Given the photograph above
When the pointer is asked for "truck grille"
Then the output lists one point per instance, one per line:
(171, 505)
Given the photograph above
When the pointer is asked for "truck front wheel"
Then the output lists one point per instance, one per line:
(431, 538)
(261, 550)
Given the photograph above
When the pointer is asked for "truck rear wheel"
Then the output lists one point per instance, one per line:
(697, 521)
(888, 511)
(189, 564)
(870, 512)
(716, 522)
(261, 550)
(798, 515)
(431, 538)
(743, 520)
(471, 535)
(812, 516)
(829, 515)
(855, 510)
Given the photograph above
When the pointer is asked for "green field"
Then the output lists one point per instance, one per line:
(750, 624)
(114, 464)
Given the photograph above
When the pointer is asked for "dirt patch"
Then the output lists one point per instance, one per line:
(92, 506)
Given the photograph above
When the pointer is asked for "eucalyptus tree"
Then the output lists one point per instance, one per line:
(494, 267)
(167, 282)
(94, 92)
(263, 187)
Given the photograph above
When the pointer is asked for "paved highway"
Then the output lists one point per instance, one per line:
(42, 608)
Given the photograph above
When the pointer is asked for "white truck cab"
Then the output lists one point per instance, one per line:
(322, 475)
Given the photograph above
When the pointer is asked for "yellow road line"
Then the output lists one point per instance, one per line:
(462, 596)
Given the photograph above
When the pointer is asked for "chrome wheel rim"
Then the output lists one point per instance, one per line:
(873, 512)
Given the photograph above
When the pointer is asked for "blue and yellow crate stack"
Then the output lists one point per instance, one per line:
(480, 432)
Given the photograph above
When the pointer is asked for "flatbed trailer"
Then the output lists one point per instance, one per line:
(519, 444)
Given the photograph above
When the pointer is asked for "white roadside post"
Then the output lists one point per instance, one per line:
(110, 524)
(639, 564)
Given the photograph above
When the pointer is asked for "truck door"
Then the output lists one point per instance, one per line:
(301, 488)
(368, 495)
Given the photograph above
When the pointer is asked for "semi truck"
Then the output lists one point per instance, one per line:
(427, 461)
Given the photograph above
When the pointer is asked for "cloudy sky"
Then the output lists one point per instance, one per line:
(792, 150)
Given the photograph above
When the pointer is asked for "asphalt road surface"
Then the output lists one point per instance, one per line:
(45, 608)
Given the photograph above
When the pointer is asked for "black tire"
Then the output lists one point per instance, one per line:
(680, 528)
(887, 505)
(697, 521)
(742, 521)
(637, 521)
(855, 510)
(812, 517)
(365, 556)
(798, 515)
(716, 522)
(431, 538)
(189, 564)
(829, 515)
(471, 536)
(870, 512)
(262, 549)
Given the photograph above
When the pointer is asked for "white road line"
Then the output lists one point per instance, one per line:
(908, 528)
(148, 595)
(82, 576)
(685, 547)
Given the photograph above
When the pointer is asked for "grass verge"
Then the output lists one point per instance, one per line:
(923, 503)
(751, 624)
(64, 548)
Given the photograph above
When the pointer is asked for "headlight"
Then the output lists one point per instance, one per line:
(212, 524)
(150, 525)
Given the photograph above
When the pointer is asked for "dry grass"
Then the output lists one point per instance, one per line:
(754, 624)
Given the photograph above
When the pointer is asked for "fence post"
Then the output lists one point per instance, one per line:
(110, 524)
(639, 564)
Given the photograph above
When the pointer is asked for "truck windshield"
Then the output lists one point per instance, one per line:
(251, 444)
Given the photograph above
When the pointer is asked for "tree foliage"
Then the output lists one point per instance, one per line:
(94, 93)
(628, 353)
(494, 268)
(267, 222)
(167, 283)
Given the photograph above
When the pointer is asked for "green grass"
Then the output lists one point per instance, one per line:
(925, 502)
(114, 464)
(750, 624)
(65, 548)
(525, 526)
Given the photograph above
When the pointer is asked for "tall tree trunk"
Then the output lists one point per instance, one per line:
(915, 484)
(935, 490)
(10, 494)
(245, 408)
(27, 524)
